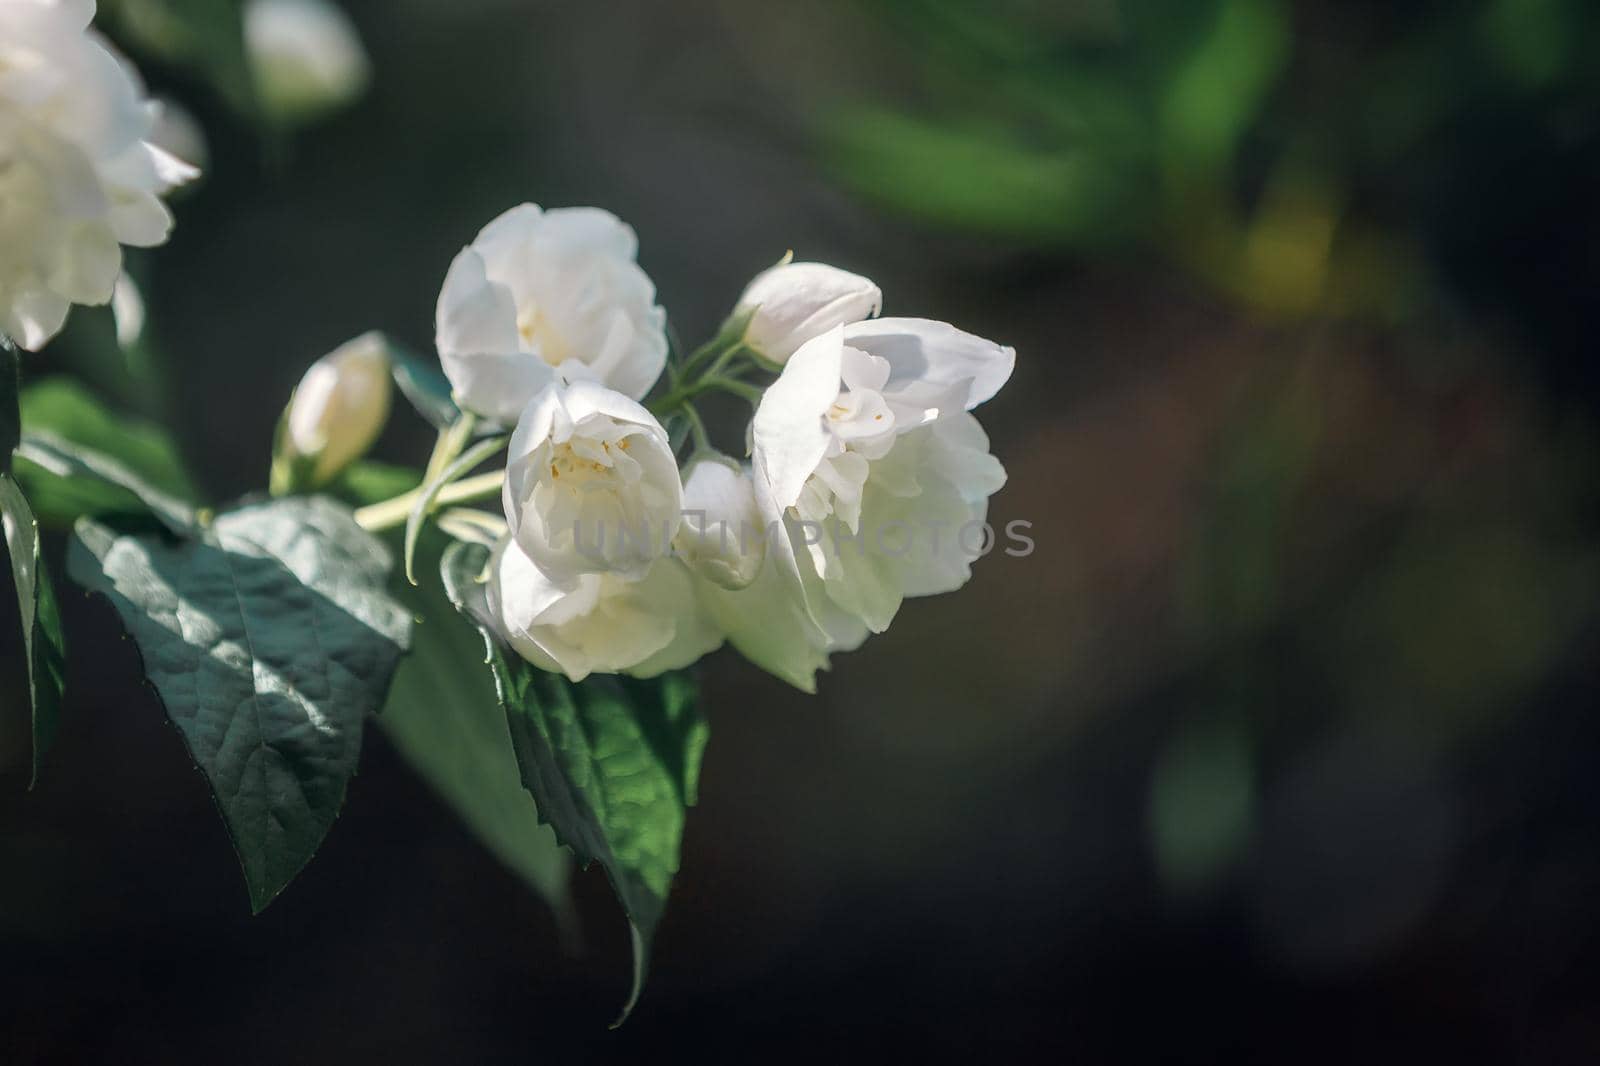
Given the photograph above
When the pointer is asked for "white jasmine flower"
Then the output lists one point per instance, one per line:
(78, 174)
(865, 447)
(793, 302)
(305, 56)
(591, 483)
(722, 538)
(339, 407)
(547, 296)
(598, 623)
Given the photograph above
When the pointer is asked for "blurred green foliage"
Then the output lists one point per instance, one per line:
(1212, 130)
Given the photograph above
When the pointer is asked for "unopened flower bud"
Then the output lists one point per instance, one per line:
(793, 302)
(336, 413)
(721, 538)
(305, 56)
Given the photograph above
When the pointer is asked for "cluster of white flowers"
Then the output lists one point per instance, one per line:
(865, 465)
(79, 176)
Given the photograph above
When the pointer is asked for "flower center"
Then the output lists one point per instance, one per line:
(540, 337)
(862, 427)
(580, 463)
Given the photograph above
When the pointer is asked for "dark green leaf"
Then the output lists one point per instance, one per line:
(65, 460)
(472, 457)
(41, 624)
(62, 411)
(269, 638)
(207, 35)
(445, 719)
(612, 763)
(425, 385)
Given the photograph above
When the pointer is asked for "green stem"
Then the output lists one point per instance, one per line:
(749, 391)
(392, 513)
(671, 401)
(452, 439)
(717, 350)
(697, 428)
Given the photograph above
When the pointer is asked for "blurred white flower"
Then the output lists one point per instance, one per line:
(544, 296)
(598, 623)
(127, 312)
(793, 302)
(591, 483)
(339, 407)
(305, 56)
(179, 133)
(722, 538)
(78, 175)
(865, 448)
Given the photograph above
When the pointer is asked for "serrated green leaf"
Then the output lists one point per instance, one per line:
(41, 623)
(269, 638)
(472, 457)
(613, 763)
(445, 719)
(60, 411)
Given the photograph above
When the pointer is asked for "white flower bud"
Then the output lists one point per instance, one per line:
(305, 56)
(598, 623)
(591, 483)
(339, 408)
(722, 538)
(79, 176)
(793, 302)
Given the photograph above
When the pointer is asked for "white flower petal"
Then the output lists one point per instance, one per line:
(598, 623)
(928, 357)
(789, 436)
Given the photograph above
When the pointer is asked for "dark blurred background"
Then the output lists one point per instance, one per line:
(1280, 748)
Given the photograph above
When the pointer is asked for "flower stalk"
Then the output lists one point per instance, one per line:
(391, 514)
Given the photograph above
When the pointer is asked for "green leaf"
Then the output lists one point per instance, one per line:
(41, 623)
(446, 721)
(982, 177)
(418, 518)
(424, 384)
(1219, 90)
(269, 639)
(76, 464)
(207, 35)
(612, 763)
(59, 411)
